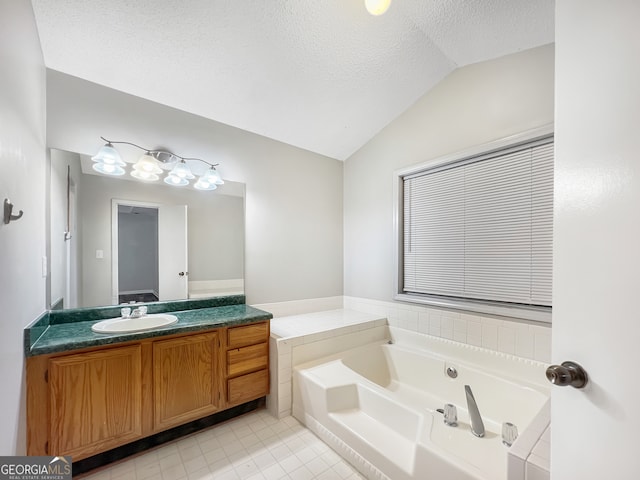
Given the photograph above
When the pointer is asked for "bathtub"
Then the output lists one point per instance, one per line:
(378, 404)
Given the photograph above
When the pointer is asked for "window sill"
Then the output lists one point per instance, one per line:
(534, 314)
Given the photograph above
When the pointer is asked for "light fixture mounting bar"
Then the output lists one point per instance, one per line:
(155, 152)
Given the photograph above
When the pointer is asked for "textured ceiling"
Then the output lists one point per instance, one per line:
(321, 75)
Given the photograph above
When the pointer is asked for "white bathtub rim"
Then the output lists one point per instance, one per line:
(487, 360)
(515, 369)
(360, 463)
(441, 349)
(422, 442)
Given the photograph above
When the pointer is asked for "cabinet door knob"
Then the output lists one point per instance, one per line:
(569, 373)
(182, 274)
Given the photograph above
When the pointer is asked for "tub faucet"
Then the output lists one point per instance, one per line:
(477, 426)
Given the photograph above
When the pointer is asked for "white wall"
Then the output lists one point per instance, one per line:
(294, 232)
(472, 106)
(22, 244)
(215, 253)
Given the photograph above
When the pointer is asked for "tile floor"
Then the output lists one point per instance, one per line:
(255, 446)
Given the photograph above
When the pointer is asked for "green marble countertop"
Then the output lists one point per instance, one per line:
(44, 337)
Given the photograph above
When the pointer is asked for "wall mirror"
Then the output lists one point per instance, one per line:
(115, 240)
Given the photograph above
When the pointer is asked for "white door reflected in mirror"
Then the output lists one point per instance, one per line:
(173, 252)
(149, 248)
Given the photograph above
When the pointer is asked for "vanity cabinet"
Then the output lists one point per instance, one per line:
(247, 362)
(96, 400)
(86, 402)
(186, 379)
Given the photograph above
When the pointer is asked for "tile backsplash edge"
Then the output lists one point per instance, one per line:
(34, 330)
(526, 340)
(100, 313)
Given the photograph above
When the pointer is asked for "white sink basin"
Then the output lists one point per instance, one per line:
(126, 325)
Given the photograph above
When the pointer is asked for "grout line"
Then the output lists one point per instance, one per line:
(254, 445)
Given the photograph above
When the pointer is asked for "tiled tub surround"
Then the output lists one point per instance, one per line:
(309, 331)
(308, 321)
(377, 406)
(299, 338)
(530, 455)
(67, 330)
(519, 338)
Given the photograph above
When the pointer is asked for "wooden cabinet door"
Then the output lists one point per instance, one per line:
(187, 379)
(96, 401)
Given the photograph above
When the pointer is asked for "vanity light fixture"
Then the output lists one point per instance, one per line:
(148, 168)
(108, 161)
(377, 7)
(209, 181)
(179, 175)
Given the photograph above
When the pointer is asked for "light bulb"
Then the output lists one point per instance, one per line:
(203, 184)
(174, 180)
(182, 170)
(108, 169)
(147, 163)
(377, 7)
(145, 176)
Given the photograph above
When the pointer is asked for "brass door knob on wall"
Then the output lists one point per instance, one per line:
(569, 373)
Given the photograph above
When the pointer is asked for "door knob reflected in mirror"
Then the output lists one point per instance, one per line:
(569, 373)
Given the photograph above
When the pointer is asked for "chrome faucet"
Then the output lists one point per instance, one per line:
(477, 426)
(139, 312)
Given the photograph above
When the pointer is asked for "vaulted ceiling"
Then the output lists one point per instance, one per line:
(325, 76)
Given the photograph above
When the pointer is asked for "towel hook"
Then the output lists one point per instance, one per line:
(8, 210)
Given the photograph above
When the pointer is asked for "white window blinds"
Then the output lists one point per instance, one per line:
(481, 228)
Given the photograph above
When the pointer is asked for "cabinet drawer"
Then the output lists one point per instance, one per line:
(248, 387)
(246, 359)
(247, 334)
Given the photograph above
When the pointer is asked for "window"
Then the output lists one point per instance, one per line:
(476, 232)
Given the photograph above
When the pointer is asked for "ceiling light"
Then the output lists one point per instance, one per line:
(377, 7)
(152, 165)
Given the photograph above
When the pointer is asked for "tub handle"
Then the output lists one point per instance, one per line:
(569, 373)
(450, 415)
